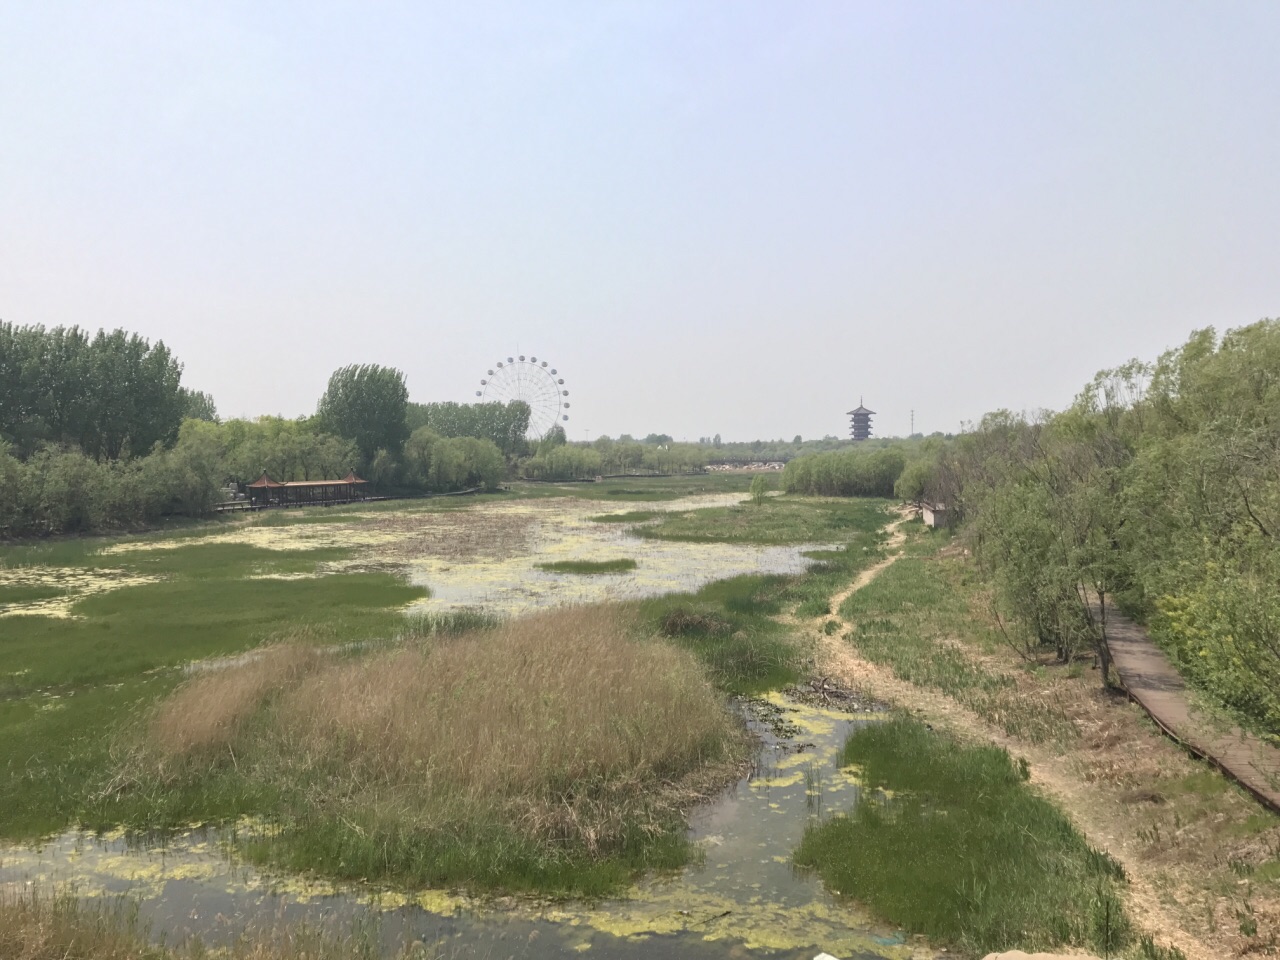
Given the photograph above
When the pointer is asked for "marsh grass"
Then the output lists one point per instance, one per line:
(778, 520)
(910, 619)
(631, 516)
(210, 561)
(311, 516)
(419, 626)
(556, 752)
(734, 625)
(27, 593)
(66, 685)
(588, 567)
(54, 748)
(133, 630)
(730, 625)
(639, 489)
(39, 925)
(965, 852)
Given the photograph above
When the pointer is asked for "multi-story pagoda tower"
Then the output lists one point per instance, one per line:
(860, 422)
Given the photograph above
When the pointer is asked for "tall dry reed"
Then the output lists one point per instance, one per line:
(563, 723)
(43, 925)
(206, 713)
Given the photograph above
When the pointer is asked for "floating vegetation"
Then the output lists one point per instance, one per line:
(744, 895)
(52, 591)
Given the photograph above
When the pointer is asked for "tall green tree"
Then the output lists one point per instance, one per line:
(368, 405)
(505, 424)
(199, 406)
(114, 395)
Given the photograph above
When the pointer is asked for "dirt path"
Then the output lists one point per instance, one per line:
(896, 539)
(1056, 772)
(1158, 688)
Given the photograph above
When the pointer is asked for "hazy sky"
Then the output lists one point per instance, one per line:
(725, 217)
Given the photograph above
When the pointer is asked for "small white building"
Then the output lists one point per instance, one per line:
(934, 515)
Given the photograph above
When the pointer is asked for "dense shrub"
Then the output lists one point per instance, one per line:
(1158, 489)
(503, 423)
(458, 463)
(848, 473)
(61, 490)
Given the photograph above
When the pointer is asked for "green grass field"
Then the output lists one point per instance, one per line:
(779, 520)
(69, 685)
(588, 567)
(898, 620)
(965, 852)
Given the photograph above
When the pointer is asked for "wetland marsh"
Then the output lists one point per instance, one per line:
(90, 673)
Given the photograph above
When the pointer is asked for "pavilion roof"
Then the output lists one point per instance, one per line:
(266, 481)
(861, 409)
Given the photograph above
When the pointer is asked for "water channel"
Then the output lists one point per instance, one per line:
(744, 900)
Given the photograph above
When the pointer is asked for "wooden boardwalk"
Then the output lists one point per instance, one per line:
(1152, 681)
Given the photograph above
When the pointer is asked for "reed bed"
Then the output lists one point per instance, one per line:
(44, 925)
(557, 751)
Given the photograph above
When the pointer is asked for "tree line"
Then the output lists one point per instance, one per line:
(111, 395)
(1157, 491)
(845, 473)
(97, 432)
(555, 459)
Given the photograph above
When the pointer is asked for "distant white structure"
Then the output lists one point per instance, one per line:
(933, 514)
(747, 467)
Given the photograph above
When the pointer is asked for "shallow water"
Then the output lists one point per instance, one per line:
(481, 556)
(510, 582)
(745, 900)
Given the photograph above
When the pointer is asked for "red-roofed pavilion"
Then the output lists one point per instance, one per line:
(265, 492)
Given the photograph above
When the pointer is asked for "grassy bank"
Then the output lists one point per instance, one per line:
(1189, 838)
(729, 625)
(588, 567)
(552, 753)
(737, 626)
(965, 852)
(777, 520)
(906, 619)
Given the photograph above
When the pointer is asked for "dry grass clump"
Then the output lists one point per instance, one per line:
(564, 728)
(682, 622)
(537, 706)
(36, 925)
(205, 714)
(33, 927)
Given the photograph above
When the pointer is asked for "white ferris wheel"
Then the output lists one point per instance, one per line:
(533, 381)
